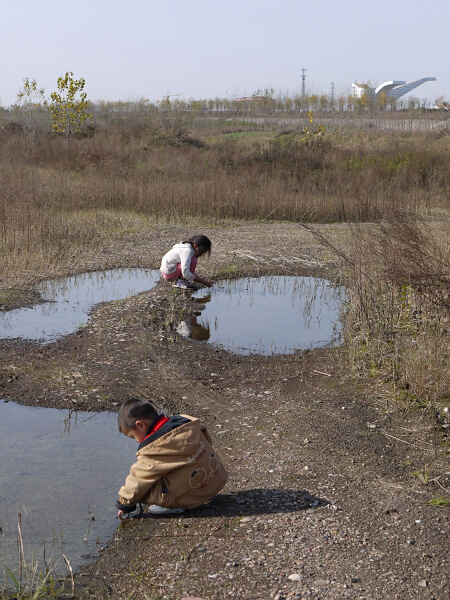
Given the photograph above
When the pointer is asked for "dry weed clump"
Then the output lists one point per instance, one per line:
(397, 325)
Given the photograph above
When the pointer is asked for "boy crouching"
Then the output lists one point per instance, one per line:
(176, 469)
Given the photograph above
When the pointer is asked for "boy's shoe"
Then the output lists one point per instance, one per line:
(183, 283)
(154, 509)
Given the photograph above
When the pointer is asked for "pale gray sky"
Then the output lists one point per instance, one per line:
(126, 50)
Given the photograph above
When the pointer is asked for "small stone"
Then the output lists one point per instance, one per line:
(295, 577)
(355, 579)
(321, 582)
(423, 583)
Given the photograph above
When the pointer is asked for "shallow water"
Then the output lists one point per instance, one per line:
(268, 315)
(70, 300)
(56, 470)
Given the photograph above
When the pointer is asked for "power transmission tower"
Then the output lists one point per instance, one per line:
(303, 81)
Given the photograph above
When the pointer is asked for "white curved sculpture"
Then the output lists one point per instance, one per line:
(396, 89)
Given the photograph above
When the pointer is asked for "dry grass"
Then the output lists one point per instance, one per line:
(58, 205)
(398, 277)
(166, 171)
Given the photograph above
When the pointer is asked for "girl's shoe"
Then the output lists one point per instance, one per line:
(182, 283)
(154, 509)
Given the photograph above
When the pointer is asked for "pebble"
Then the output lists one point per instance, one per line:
(295, 577)
(423, 583)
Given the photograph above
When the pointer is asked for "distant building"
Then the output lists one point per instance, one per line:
(397, 89)
(251, 98)
(359, 89)
(393, 89)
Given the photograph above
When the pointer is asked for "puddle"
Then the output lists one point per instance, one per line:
(70, 300)
(268, 315)
(57, 468)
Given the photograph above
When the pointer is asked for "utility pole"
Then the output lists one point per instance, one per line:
(303, 81)
(332, 91)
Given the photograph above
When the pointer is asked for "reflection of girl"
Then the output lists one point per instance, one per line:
(178, 265)
(191, 329)
(200, 333)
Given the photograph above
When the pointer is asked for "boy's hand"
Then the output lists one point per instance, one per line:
(120, 514)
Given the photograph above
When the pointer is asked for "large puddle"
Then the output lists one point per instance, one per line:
(268, 315)
(70, 300)
(264, 315)
(61, 473)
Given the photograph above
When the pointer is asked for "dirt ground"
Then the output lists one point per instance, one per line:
(320, 501)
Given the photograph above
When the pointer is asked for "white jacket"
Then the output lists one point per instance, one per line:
(180, 253)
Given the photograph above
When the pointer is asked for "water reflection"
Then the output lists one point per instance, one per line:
(191, 328)
(60, 472)
(268, 315)
(70, 300)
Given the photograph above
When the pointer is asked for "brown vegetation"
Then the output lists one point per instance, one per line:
(57, 201)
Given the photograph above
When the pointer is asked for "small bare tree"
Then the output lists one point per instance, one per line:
(29, 107)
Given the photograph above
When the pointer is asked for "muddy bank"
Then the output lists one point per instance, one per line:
(320, 502)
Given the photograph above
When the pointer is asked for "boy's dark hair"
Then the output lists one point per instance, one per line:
(201, 240)
(132, 410)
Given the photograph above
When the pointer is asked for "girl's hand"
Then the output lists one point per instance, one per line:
(121, 514)
(204, 282)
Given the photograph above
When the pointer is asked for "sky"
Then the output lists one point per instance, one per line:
(135, 49)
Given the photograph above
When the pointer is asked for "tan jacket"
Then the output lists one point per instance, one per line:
(176, 467)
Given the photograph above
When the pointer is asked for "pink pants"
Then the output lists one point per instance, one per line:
(177, 273)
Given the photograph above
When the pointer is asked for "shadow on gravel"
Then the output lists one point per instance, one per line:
(249, 502)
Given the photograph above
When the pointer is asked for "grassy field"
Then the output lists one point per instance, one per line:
(60, 201)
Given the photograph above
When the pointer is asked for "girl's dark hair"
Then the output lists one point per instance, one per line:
(202, 242)
(131, 411)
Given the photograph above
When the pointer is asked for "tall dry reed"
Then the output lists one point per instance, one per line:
(396, 328)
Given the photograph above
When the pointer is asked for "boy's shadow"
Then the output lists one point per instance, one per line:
(250, 502)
